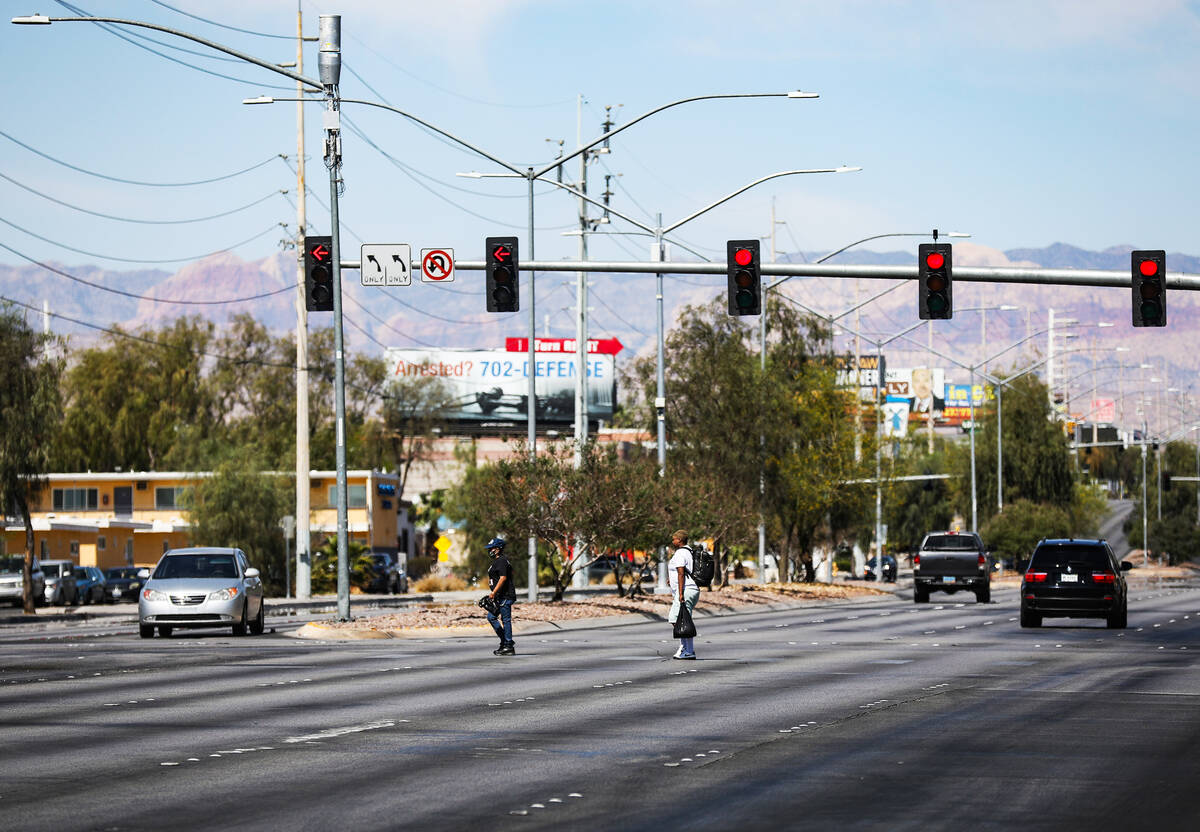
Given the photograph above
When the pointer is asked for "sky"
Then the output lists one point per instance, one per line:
(1022, 123)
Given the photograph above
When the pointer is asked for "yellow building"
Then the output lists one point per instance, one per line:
(130, 519)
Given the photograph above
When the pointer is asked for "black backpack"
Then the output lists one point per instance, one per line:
(704, 566)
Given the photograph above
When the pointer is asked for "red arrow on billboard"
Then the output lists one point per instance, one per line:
(605, 346)
(320, 252)
(502, 253)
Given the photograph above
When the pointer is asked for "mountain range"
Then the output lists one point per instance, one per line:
(83, 299)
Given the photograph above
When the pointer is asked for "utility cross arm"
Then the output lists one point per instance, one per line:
(970, 274)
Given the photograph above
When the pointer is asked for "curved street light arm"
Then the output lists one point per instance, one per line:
(522, 173)
(295, 76)
(758, 181)
(647, 114)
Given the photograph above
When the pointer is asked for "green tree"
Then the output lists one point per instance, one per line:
(403, 434)
(240, 505)
(128, 399)
(1015, 532)
(30, 411)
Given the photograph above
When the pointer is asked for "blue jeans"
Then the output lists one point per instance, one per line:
(504, 633)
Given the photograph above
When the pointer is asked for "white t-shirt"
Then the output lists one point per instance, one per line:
(682, 557)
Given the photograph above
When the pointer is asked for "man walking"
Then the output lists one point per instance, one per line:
(504, 593)
(679, 570)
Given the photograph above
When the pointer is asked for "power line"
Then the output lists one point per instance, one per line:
(135, 181)
(112, 30)
(221, 25)
(77, 279)
(134, 259)
(389, 326)
(132, 219)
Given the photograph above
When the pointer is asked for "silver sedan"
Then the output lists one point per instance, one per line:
(201, 587)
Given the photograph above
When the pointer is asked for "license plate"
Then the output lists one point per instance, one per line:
(1069, 579)
(947, 579)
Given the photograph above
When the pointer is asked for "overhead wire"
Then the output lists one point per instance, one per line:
(136, 296)
(135, 181)
(83, 210)
(134, 259)
(113, 30)
(221, 25)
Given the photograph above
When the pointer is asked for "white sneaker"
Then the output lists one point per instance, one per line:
(678, 653)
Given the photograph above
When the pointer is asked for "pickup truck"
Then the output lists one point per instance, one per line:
(950, 561)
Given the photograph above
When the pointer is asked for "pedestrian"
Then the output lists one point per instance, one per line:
(504, 593)
(683, 588)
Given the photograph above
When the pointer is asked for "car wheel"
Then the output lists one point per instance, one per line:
(1030, 619)
(146, 630)
(921, 596)
(240, 628)
(1119, 620)
(984, 596)
(260, 621)
(165, 632)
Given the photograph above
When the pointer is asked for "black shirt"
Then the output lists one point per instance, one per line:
(502, 568)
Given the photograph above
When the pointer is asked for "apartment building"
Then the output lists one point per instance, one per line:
(130, 519)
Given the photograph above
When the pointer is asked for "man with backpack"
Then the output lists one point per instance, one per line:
(684, 589)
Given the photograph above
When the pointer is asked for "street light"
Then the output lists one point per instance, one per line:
(531, 175)
(762, 348)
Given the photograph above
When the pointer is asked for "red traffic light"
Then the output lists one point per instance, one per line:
(743, 257)
(1149, 268)
(935, 260)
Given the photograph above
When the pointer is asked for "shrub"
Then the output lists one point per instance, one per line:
(439, 583)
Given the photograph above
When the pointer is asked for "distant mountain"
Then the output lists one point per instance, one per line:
(622, 306)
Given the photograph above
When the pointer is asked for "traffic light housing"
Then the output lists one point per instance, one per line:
(318, 274)
(745, 278)
(1149, 287)
(935, 266)
(502, 267)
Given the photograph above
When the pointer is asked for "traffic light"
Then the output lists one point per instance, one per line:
(318, 274)
(934, 272)
(502, 260)
(745, 281)
(1149, 287)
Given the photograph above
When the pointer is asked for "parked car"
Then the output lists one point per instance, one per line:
(90, 583)
(1075, 579)
(122, 583)
(889, 569)
(386, 575)
(201, 587)
(60, 582)
(12, 580)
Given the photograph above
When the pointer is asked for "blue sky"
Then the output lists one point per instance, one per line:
(1023, 123)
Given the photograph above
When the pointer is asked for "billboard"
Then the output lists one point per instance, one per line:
(492, 386)
(919, 389)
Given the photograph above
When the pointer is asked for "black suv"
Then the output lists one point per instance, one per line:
(1074, 579)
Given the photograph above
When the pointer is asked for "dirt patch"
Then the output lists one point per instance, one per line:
(726, 599)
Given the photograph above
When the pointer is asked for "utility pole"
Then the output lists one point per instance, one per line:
(303, 483)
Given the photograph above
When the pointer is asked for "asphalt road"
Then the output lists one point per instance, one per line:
(875, 714)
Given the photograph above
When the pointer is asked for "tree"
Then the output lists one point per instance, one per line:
(30, 412)
(127, 398)
(241, 506)
(607, 505)
(1014, 533)
(403, 434)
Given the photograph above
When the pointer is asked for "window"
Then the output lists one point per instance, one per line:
(75, 549)
(168, 498)
(356, 496)
(167, 548)
(74, 499)
(45, 547)
(129, 552)
(101, 543)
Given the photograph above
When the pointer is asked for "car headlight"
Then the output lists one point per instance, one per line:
(227, 594)
(155, 595)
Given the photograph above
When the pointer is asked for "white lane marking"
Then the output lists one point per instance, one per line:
(329, 733)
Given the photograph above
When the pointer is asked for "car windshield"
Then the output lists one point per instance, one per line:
(1062, 557)
(55, 570)
(196, 566)
(941, 542)
(122, 572)
(12, 563)
(81, 573)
